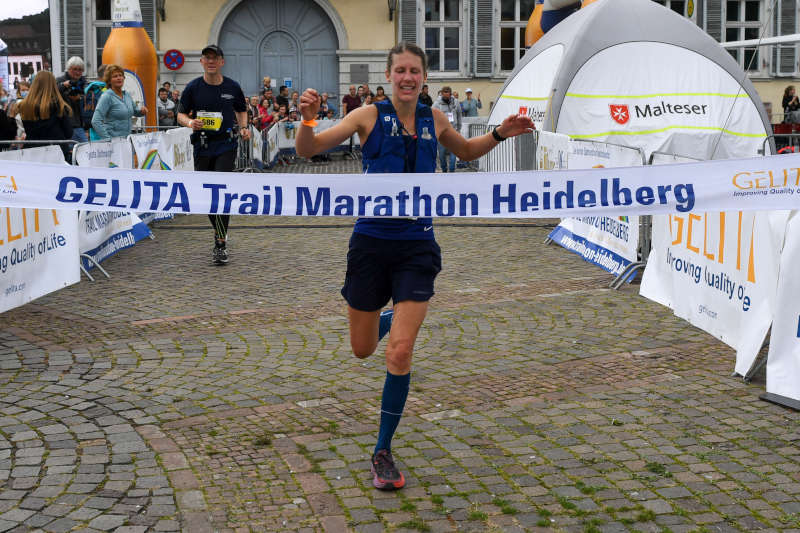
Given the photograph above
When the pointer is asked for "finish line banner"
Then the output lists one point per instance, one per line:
(763, 183)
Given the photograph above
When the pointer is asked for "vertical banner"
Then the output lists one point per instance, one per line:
(612, 243)
(146, 156)
(257, 146)
(38, 251)
(719, 272)
(175, 150)
(783, 360)
(104, 154)
(552, 151)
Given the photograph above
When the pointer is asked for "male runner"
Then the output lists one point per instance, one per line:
(214, 107)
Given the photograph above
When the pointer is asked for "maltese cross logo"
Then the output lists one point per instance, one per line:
(619, 113)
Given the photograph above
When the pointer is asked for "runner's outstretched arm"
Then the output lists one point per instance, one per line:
(471, 149)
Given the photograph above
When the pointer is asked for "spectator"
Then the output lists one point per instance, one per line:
(72, 85)
(166, 85)
(265, 117)
(268, 98)
(470, 106)
(252, 110)
(3, 100)
(325, 106)
(46, 116)
(283, 114)
(266, 85)
(791, 106)
(350, 101)
(424, 97)
(368, 99)
(112, 118)
(283, 96)
(380, 96)
(449, 106)
(294, 102)
(166, 108)
(331, 115)
(176, 96)
(22, 89)
(293, 116)
(361, 93)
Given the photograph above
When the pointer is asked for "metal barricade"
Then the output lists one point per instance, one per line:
(783, 143)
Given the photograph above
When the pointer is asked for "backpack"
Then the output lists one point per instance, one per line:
(93, 93)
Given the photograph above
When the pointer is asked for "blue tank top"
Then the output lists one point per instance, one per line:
(389, 148)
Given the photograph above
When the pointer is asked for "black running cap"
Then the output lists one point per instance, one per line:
(212, 48)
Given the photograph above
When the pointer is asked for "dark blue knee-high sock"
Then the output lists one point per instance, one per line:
(395, 392)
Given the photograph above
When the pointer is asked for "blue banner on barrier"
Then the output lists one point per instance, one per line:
(115, 242)
(591, 252)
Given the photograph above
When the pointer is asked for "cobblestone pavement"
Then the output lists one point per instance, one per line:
(181, 396)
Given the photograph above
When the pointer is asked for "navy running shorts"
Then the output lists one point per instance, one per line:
(381, 269)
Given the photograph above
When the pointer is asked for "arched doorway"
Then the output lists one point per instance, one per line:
(294, 40)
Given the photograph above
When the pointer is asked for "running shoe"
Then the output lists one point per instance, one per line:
(385, 323)
(220, 253)
(386, 476)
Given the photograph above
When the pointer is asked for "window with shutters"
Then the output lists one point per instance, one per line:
(101, 28)
(514, 15)
(784, 22)
(443, 34)
(678, 6)
(743, 22)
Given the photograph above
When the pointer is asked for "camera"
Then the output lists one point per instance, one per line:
(75, 88)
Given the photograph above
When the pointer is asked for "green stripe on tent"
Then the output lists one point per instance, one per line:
(524, 97)
(648, 132)
(723, 95)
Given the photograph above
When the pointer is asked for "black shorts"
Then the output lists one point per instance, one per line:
(383, 269)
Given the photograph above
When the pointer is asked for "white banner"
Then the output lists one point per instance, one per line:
(145, 150)
(175, 150)
(718, 271)
(783, 361)
(39, 154)
(146, 156)
(552, 151)
(731, 185)
(38, 252)
(257, 147)
(610, 242)
(104, 154)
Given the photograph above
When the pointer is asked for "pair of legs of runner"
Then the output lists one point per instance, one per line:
(408, 317)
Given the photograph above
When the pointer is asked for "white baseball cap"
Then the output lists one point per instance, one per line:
(468, 90)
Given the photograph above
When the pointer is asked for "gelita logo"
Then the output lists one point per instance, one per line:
(619, 113)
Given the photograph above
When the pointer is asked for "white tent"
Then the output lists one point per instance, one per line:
(632, 72)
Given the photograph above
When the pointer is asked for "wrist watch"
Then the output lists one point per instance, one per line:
(497, 137)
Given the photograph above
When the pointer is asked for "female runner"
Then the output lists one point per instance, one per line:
(394, 258)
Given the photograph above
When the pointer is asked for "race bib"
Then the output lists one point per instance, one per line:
(450, 117)
(212, 120)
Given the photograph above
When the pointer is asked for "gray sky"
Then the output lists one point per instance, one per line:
(17, 9)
